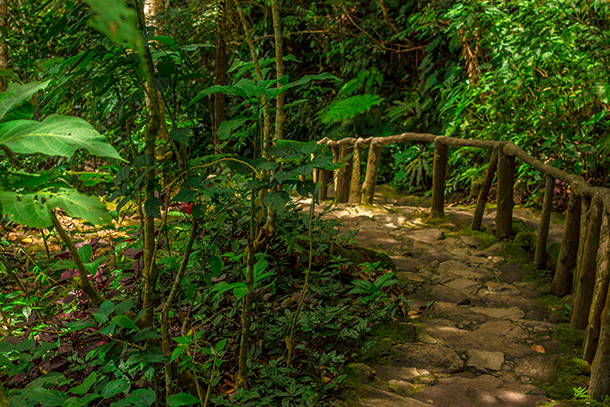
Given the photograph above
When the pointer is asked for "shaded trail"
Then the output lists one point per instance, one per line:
(481, 335)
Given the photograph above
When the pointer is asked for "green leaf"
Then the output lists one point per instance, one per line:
(124, 321)
(18, 94)
(152, 207)
(259, 267)
(104, 312)
(85, 385)
(348, 108)
(182, 399)
(220, 345)
(142, 397)
(216, 265)
(278, 199)
(85, 253)
(124, 306)
(240, 292)
(55, 135)
(117, 22)
(115, 387)
(227, 127)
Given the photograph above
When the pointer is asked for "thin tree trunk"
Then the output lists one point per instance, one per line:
(601, 289)
(562, 280)
(220, 75)
(586, 271)
(3, 46)
(280, 116)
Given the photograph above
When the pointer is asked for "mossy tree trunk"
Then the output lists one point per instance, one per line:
(585, 278)
(438, 179)
(562, 280)
(599, 384)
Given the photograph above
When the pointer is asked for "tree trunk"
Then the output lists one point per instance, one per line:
(506, 182)
(280, 116)
(601, 289)
(585, 279)
(545, 221)
(438, 180)
(477, 220)
(372, 164)
(323, 185)
(345, 172)
(220, 79)
(562, 281)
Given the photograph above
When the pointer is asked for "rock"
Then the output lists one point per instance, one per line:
(445, 294)
(375, 238)
(376, 397)
(410, 277)
(471, 241)
(435, 358)
(495, 250)
(460, 284)
(400, 386)
(425, 235)
(484, 361)
(482, 391)
(492, 287)
(425, 338)
(500, 313)
(366, 374)
(407, 374)
(407, 263)
(539, 367)
(511, 273)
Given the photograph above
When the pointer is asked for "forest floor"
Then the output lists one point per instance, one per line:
(483, 328)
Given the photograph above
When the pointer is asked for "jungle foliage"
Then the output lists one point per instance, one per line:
(152, 251)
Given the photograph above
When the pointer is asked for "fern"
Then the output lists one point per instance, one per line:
(346, 109)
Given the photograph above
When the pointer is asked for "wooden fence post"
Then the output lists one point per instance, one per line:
(344, 175)
(368, 188)
(600, 291)
(562, 280)
(323, 177)
(506, 182)
(336, 172)
(599, 383)
(477, 220)
(545, 221)
(438, 179)
(355, 187)
(585, 278)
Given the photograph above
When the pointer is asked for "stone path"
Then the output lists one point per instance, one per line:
(482, 337)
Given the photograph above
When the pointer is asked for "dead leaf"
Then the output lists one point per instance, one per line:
(538, 348)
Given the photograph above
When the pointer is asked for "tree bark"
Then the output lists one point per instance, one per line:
(506, 182)
(344, 175)
(477, 220)
(438, 179)
(280, 116)
(545, 221)
(220, 79)
(586, 271)
(600, 291)
(323, 185)
(3, 45)
(562, 280)
(368, 188)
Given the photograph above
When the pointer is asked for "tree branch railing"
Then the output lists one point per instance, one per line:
(584, 255)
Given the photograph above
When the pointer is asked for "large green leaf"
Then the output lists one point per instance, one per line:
(33, 209)
(55, 135)
(18, 94)
(117, 22)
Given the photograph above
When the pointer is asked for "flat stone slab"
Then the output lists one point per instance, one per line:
(482, 391)
(374, 238)
(424, 235)
(376, 397)
(500, 313)
(460, 284)
(484, 361)
(435, 358)
(539, 367)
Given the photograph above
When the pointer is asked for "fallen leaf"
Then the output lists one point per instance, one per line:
(538, 348)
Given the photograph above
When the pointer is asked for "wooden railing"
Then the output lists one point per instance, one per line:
(585, 244)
